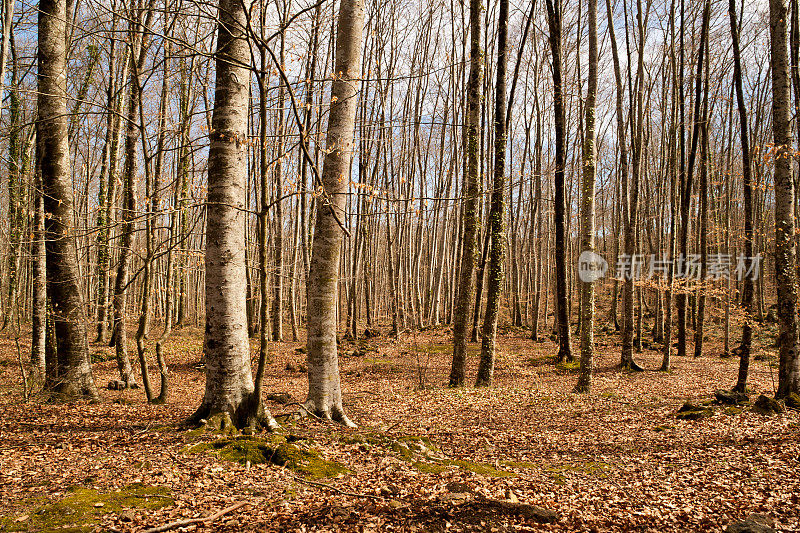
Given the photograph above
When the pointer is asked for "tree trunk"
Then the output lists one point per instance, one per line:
(39, 275)
(138, 39)
(497, 211)
(324, 388)
(470, 190)
(587, 208)
(560, 211)
(744, 135)
(785, 266)
(703, 226)
(229, 397)
(74, 369)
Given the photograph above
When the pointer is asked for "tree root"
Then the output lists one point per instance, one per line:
(334, 413)
(193, 521)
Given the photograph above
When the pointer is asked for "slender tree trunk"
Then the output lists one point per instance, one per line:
(324, 387)
(744, 135)
(560, 210)
(39, 293)
(277, 277)
(703, 226)
(153, 196)
(587, 208)
(138, 37)
(470, 205)
(497, 255)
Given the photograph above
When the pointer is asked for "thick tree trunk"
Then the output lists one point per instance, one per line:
(74, 369)
(785, 258)
(324, 388)
(229, 395)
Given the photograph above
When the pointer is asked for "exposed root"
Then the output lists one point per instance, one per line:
(249, 415)
(330, 413)
(632, 365)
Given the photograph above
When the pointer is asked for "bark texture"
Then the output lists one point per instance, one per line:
(747, 288)
(324, 386)
(74, 374)
(470, 206)
(785, 259)
(229, 395)
(497, 253)
(560, 209)
(587, 207)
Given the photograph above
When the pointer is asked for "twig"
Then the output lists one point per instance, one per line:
(192, 521)
(304, 408)
(330, 487)
(22, 370)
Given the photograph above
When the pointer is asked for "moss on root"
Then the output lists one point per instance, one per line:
(274, 449)
(569, 366)
(82, 508)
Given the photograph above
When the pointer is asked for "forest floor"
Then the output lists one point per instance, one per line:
(423, 457)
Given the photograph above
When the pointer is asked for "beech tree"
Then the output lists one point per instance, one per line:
(497, 253)
(747, 182)
(324, 386)
(560, 210)
(73, 371)
(785, 253)
(229, 397)
(469, 222)
(587, 206)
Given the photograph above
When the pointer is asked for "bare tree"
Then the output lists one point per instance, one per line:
(469, 220)
(747, 182)
(324, 386)
(560, 210)
(74, 376)
(587, 206)
(229, 397)
(497, 227)
(785, 254)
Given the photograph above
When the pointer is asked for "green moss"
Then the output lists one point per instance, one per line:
(539, 360)
(610, 394)
(296, 456)
(428, 468)
(425, 456)
(376, 361)
(569, 366)
(694, 414)
(520, 464)
(81, 508)
(733, 410)
(594, 468)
